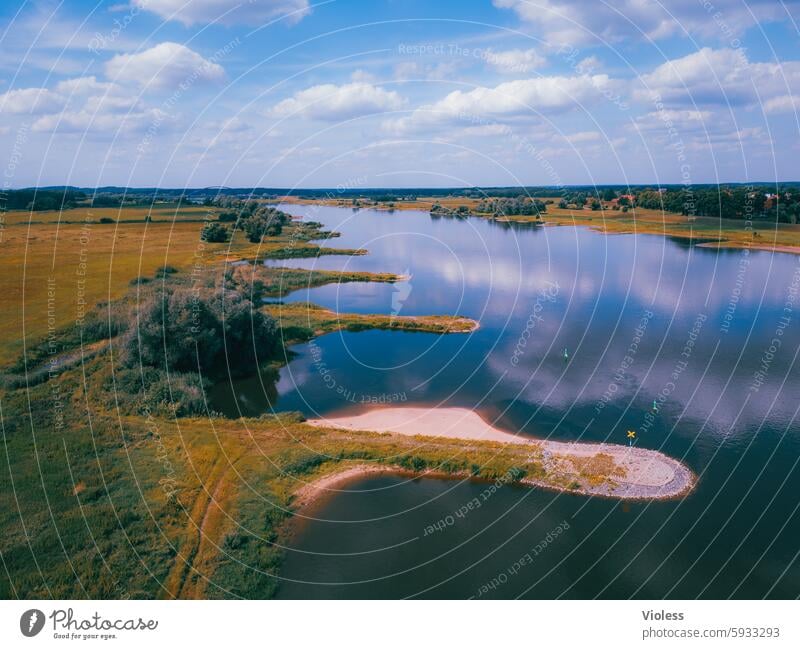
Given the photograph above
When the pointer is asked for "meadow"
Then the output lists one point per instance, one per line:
(53, 271)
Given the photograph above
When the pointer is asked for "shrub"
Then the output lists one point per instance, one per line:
(214, 233)
(186, 331)
(176, 394)
(174, 331)
(165, 270)
(264, 222)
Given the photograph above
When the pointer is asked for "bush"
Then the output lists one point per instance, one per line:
(264, 222)
(106, 219)
(185, 331)
(165, 270)
(214, 233)
(175, 394)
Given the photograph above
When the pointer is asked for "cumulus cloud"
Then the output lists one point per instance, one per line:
(167, 65)
(227, 12)
(577, 21)
(513, 61)
(723, 76)
(86, 121)
(782, 104)
(512, 99)
(330, 102)
(86, 105)
(701, 131)
(80, 85)
(34, 101)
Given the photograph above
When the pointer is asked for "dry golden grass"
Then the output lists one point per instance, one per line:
(47, 270)
(157, 212)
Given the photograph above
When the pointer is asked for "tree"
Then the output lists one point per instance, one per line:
(186, 330)
(228, 216)
(176, 331)
(214, 233)
(264, 222)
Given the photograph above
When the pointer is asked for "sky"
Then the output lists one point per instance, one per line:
(398, 93)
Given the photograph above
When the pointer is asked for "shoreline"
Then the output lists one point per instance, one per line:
(585, 219)
(644, 474)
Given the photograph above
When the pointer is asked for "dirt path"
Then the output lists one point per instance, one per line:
(189, 576)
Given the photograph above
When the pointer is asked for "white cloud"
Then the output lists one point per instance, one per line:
(110, 103)
(362, 76)
(167, 65)
(91, 106)
(513, 61)
(84, 121)
(678, 121)
(782, 104)
(82, 85)
(723, 76)
(512, 99)
(330, 102)
(34, 101)
(228, 12)
(408, 70)
(700, 131)
(583, 137)
(233, 133)
(589, 65)
(578, 21)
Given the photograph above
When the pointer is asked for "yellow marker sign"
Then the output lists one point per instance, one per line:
(631, 434)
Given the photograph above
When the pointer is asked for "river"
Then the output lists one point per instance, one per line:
(693, 348)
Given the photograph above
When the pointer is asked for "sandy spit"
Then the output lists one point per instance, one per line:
(648, 474)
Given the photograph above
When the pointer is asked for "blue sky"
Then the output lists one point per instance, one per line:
(288, 93)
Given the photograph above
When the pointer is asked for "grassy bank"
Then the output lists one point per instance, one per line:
(301, 321)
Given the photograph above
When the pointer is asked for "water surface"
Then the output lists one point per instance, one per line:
(643, 318)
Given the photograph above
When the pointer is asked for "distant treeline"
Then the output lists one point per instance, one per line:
(733, 200)
(519, 205)
(738, 202)
(39, 200)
